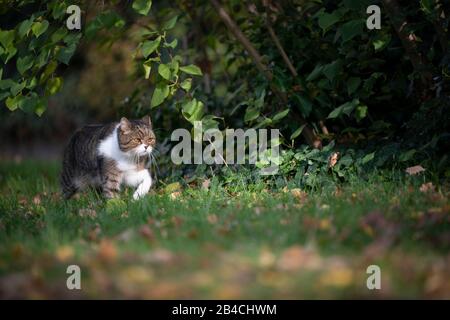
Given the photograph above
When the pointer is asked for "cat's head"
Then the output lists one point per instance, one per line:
(136, 136)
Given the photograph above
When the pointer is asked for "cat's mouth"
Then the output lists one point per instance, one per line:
(143, 151)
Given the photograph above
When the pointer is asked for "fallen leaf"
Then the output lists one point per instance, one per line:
(299, 194)
(175, 195)
(64, 253)
(427, 187)
(332, 160)
(107, 251)
(91, 213)
(337, 277)
(414, 170)
(292, 259)
(266, 258)
(37, 199)
(212, 218)
(147, 232)
(206, 183)
(94, 233)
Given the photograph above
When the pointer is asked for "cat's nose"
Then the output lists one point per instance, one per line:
(145, 146)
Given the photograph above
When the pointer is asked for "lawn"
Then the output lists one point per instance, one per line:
(224, 241)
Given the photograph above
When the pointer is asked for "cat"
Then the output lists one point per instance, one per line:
(108, 156)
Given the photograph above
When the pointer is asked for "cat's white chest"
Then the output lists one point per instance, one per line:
(132, 175)
(133, 178)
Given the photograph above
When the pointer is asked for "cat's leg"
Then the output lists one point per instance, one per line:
(111, 178)
(68, 184)
(144, 186)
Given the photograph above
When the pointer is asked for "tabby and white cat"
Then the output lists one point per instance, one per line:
(108, 156)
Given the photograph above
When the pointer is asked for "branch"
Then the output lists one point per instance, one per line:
(281, 50)
(233, 27)
(309, 135)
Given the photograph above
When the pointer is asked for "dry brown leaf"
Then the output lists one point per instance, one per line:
(299, 194)
(337, 277)
(64, 253)
(94, 233)
(177, 221)
(107, 250)
(91, 213)
(37, 199)
(414, 170)
(333, 159)
(292, 259)
(146, 232)
(206, 183)
(212, 218)
(427, 187)
(23, 201)
(175, 195)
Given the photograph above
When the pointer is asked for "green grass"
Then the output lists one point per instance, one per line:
(237, 241)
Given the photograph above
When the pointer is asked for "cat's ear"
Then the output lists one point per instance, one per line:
(147, 121)
(125, 125)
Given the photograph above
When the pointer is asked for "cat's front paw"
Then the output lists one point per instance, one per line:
(139, 194)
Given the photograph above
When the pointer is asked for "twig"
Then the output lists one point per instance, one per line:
(311, 138)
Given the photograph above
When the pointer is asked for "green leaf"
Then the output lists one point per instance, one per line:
(58, 35)
(17, 88)
(304, 105)
(25, 27)
(6, 84)
(408, 155)
(192, 69)
(345, 108)
(352, 85)
(65, 54)
(160, 93)
(24, 63)
(53, 85)
(280, 115)
(169, 24)
(29, 103)
(11, 53)
(326, 20)
(251, 113)
(172, 44)
(186, 84)
(297, 132)
(331, 70)
(12, 103)
(39, 28)
(381, 42)
(40, 107)
(147, 68)
(368, 157)
(142, 6)
(315, 73)
(361, 113)
(164, 71)
(352, 29)
(49, 69)
(148, 47)
(193, 110)
(6, 37)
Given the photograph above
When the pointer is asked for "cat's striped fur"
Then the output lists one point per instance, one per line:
(107, 156)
